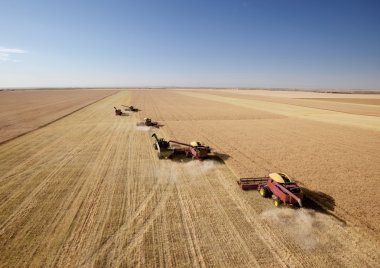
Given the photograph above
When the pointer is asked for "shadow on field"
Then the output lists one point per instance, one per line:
(122, 114)
(320, 202)
(219, 157)
(179, 156)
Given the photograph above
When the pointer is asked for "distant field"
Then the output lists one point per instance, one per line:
(351, 105)
(89, 190)
(26, 110)
(305, 94)
(352, 100)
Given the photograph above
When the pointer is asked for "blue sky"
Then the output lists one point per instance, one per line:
(271, 43)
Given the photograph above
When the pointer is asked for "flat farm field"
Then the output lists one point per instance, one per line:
(26, 110)
(89, 190)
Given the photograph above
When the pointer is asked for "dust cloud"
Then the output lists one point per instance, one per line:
(143, 128)
(171, 172)
(198, 168)
(166, 172)
(300, 224)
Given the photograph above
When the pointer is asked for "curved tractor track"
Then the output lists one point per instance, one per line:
(88, 190)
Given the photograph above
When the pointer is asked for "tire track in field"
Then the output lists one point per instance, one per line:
(115, 239)
(28, 203)
(95, 191)
(114, 244)
(190, 230)
(39, 159)
(46, 186)
(125, 250)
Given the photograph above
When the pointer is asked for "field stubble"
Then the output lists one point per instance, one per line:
(26, 110)
(89, 190)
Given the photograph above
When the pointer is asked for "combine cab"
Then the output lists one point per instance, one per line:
(194, 149)
(279, 186)
(147, 122)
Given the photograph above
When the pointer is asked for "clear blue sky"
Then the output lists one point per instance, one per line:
(268, 43)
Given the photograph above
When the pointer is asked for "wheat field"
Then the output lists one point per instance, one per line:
(88, 189)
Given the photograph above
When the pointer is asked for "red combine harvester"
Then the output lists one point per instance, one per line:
(279, 186)
(195, 149)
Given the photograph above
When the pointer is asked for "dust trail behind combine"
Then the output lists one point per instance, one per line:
(300, 224)
(143, 128)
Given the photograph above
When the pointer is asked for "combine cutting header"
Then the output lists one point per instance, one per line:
(195, 149)
(279, 186)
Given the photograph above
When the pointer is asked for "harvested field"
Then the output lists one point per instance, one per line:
(303, 94)
(27, 110)
(97, 195)
(351, 100)
(352, 104)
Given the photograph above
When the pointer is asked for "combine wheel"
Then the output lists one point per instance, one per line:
(277, 203)
(264, 192)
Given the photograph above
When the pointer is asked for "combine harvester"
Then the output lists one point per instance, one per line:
(130, 108)
(279, 186)
(148, 122)
(118, 111)
(195, 149)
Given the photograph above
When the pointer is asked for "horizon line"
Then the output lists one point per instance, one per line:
(322, 90)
